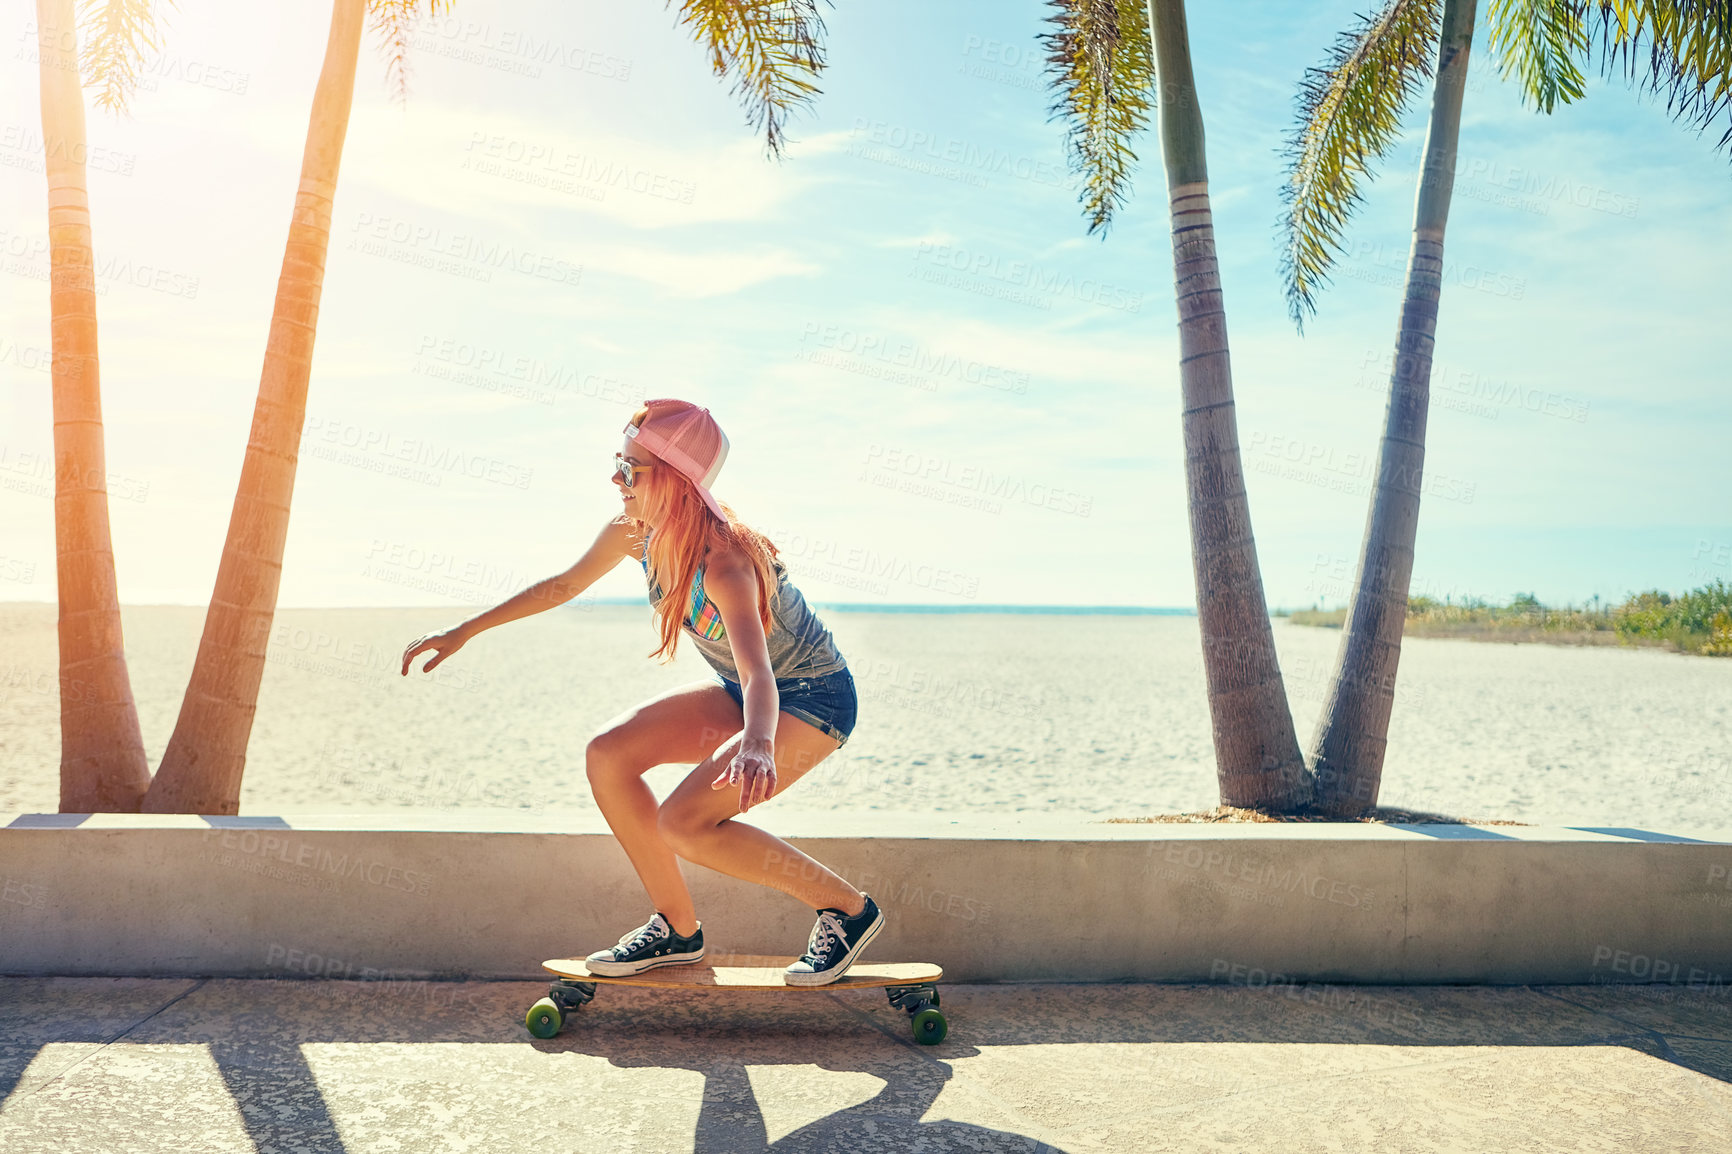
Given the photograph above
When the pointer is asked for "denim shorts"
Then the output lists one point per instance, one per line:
(827, 703)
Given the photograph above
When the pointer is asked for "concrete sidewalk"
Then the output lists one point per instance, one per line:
(94, 1064)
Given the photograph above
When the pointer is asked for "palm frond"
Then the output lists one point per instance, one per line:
(1348, 113)
(772, 48)
(117, 36)
(1100, 65)
(1679, 48)
(393, 21)
(1538, 43)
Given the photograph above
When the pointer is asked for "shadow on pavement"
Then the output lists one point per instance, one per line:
(277, 1096)
(384, 1051)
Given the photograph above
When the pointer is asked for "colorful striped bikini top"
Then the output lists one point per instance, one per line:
(702, 616)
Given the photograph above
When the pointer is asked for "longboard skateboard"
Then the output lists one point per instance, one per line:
(911, 986)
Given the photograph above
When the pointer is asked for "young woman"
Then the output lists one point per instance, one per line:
(782, 691)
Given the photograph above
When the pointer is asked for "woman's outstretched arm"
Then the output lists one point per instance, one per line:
(615, 542)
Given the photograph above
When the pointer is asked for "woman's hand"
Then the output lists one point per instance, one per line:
(753, 769)
(446, 643)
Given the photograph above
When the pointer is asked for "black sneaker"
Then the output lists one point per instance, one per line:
(650, 945)
(835, 943)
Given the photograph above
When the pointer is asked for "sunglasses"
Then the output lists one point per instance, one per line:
(628, 469)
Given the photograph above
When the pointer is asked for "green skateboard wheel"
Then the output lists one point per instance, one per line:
(929, 1027)
(544, 1018)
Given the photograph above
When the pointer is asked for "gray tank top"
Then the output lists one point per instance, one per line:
(799, 644)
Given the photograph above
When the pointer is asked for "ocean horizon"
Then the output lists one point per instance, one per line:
(842, 606)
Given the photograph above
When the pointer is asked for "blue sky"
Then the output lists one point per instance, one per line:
(937, 387)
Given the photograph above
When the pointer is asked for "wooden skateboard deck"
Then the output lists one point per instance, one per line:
(752, 972)
(911, 986)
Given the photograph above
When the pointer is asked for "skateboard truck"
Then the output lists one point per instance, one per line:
(921, 1002)
(570, 994)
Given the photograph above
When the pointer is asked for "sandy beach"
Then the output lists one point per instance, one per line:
(963, 713)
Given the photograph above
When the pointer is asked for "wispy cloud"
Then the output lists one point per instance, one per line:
(455, 159)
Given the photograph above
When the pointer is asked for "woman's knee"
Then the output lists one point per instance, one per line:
(606, 756)
(681, 825)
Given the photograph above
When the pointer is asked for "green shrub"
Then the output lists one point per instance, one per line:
(1697, 621)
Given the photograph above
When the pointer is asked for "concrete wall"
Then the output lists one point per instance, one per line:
(492, 895)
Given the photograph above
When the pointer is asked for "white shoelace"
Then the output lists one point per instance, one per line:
(646, 931)
(828, 929)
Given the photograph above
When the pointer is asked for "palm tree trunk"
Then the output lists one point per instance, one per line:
(201, 770)
(1257, 757)
(1353, 730)
(102, 763)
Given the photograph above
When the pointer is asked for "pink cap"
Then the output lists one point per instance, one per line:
(688, 438)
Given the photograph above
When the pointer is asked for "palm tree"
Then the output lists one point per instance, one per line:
(102, 761)
(201, 769)
(772, 50)
(1104, 59)
(1349, 113)
(1376, 72)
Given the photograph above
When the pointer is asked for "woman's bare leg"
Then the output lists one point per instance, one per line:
(683, 725)
(698, 822)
